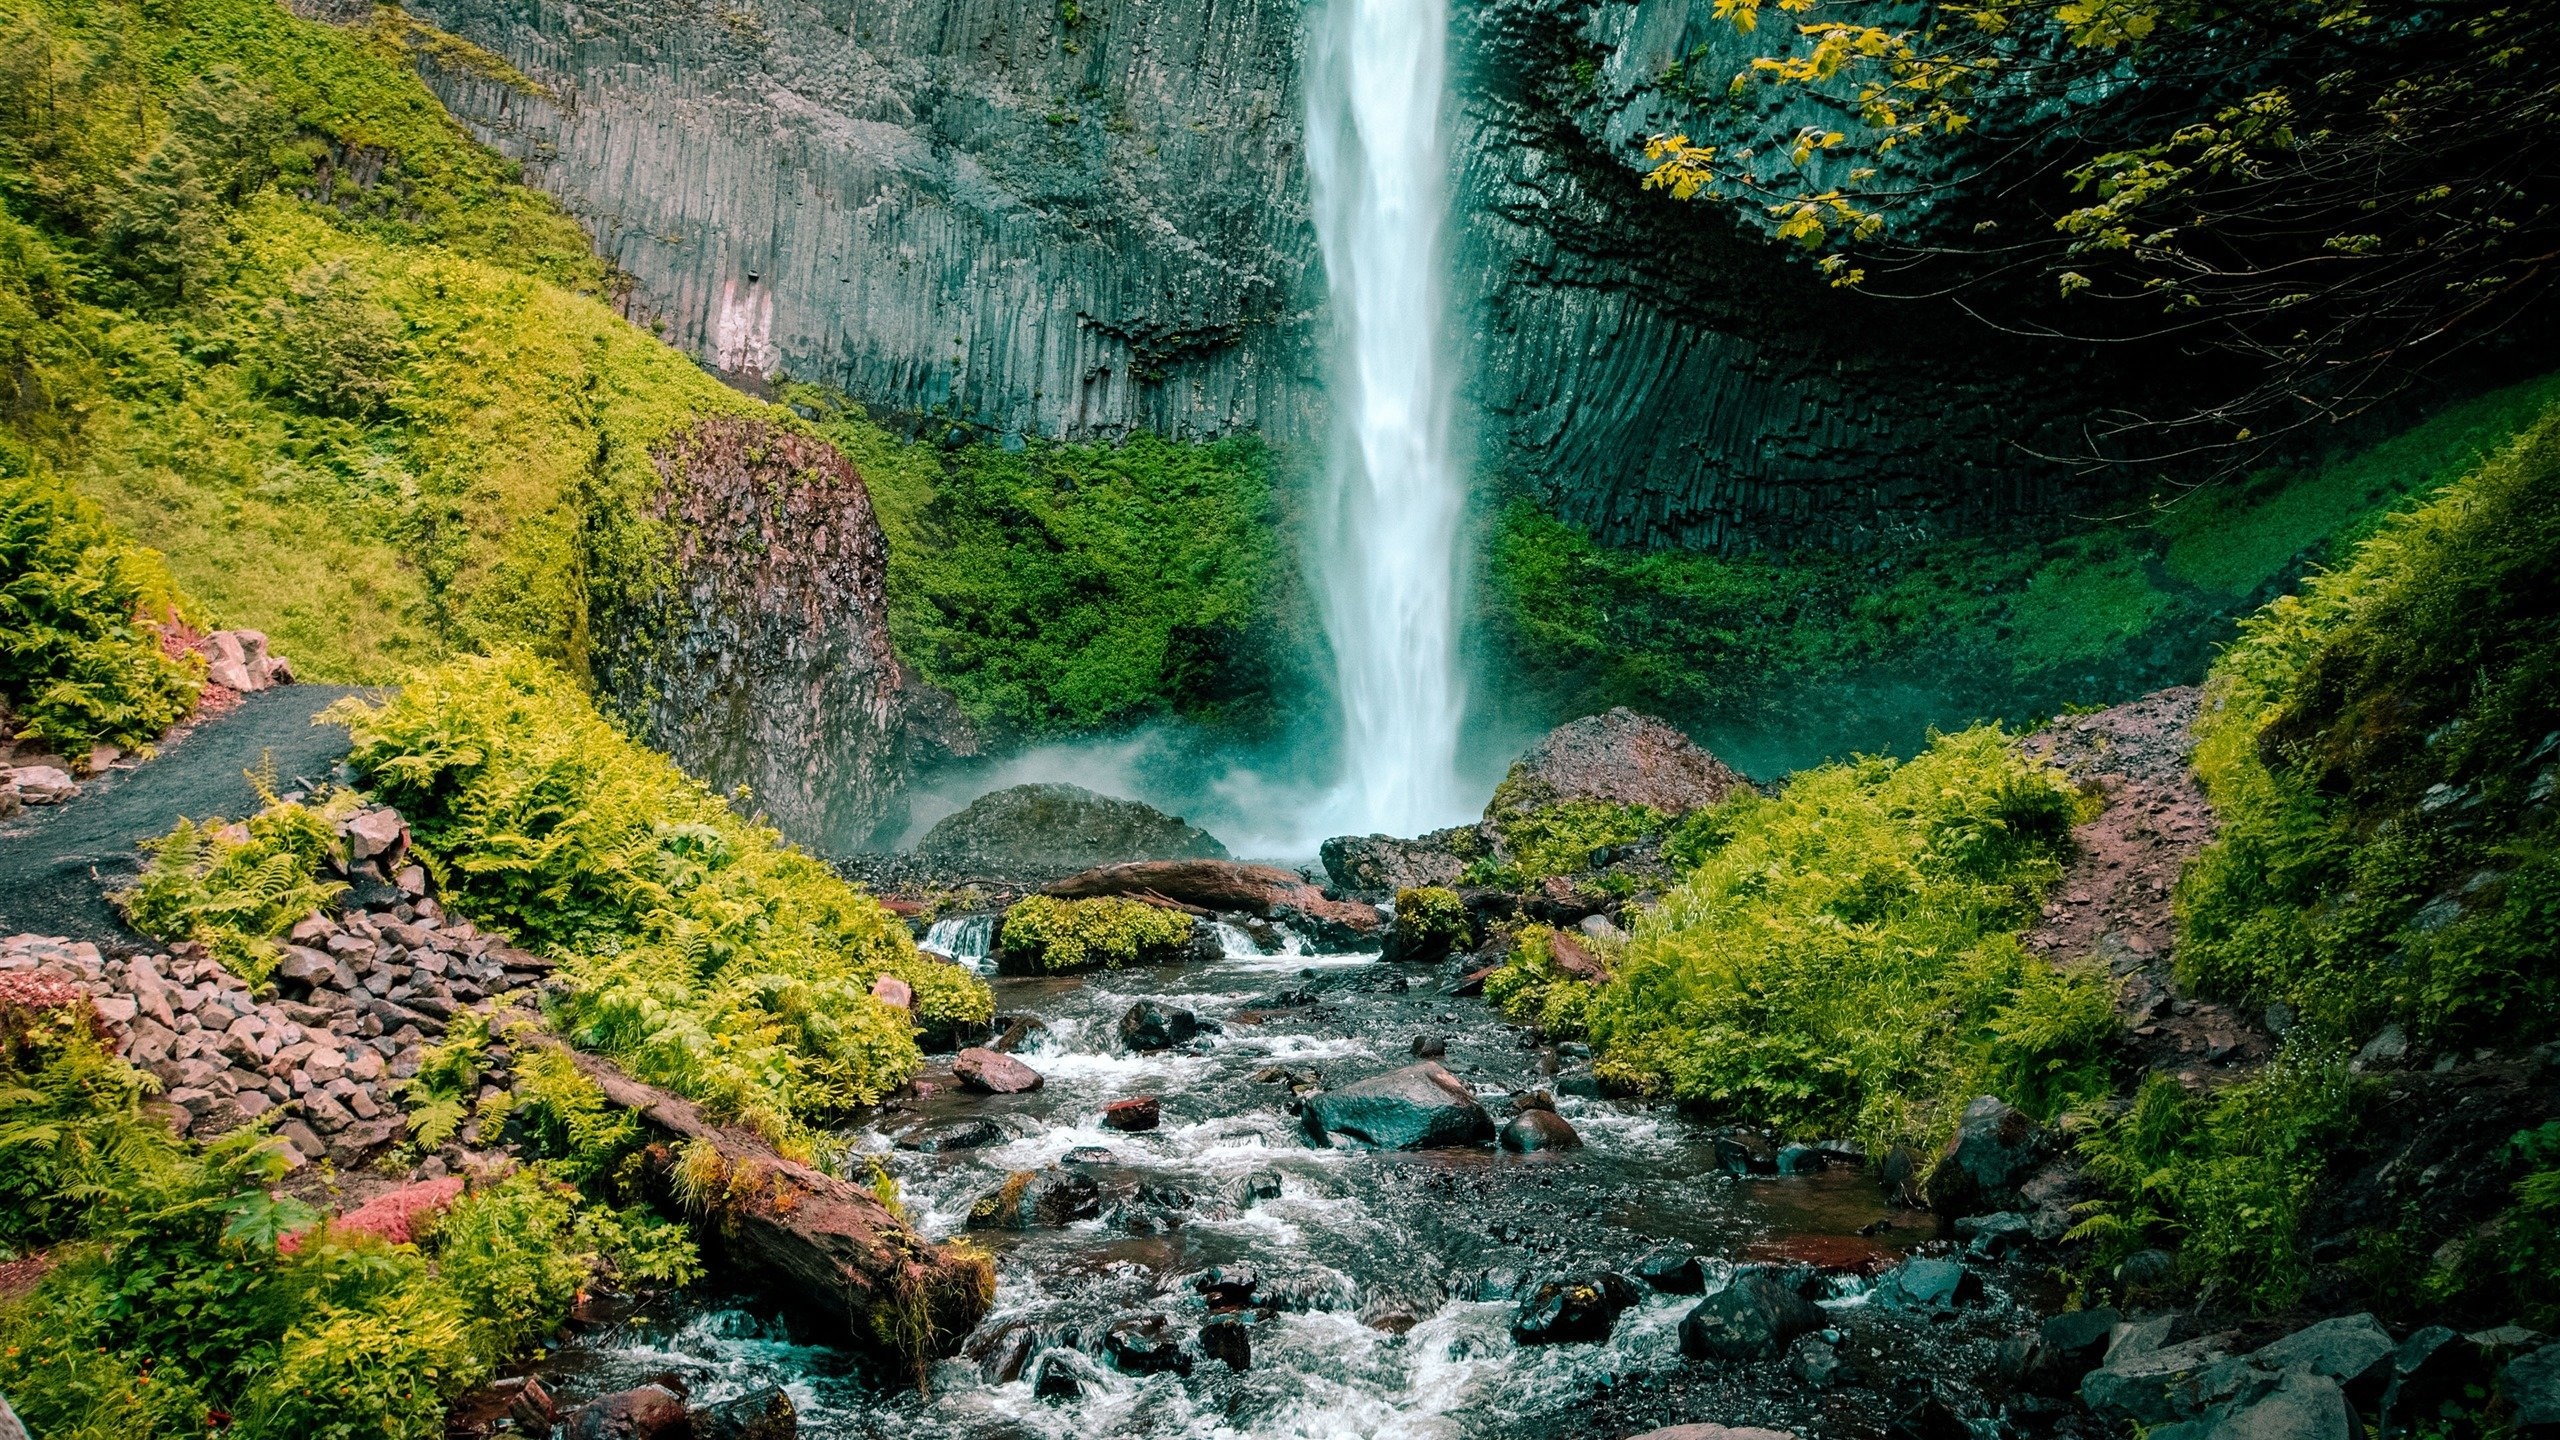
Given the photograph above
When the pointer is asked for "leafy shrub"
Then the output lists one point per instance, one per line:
(76, 664)
(72, 1129)
(1845, 957)
(511, 1252)
(369, 1374)
(236, 888)
(332, 347)
(1431, 922)
(1531, 990)
(1557, 839)
(2381, 751)
(1044, 935)
(700, 951)
(565, 1120)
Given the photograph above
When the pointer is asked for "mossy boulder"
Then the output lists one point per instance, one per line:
(1039, 832)
(1431, 924)
(1043, 935)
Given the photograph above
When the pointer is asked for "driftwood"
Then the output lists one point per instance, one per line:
(1225, 885)
(826, 1243)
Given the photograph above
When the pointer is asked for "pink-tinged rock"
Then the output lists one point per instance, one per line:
(990, 1073)
(116, 1009)
(394, 1215)
(651, 1412)
(895, 991)
(375, 832)
(1140, 1112)
(150, 992)
(45, 785)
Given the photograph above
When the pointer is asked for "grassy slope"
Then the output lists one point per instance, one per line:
(1992, 626)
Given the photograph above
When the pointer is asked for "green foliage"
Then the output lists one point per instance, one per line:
(1074, 586)
(2227, 1174)
(511, 1253)
(235, 888)
(1431, 921)
(1844, 955)
(72, 1130)
(2014, 625)
(566, 1121)
(700, 951)
(1531, 990)
(1041, 935)
(2380, 750)
(2513, 1262)
(77, 664)
(1535, 841)
(331, 348)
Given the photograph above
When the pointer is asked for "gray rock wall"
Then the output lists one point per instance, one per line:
(1077, 218)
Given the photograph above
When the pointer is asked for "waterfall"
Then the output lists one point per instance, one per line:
(1386, 538)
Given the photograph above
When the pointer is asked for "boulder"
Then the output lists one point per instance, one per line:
(2151, 1386)
(1620, 757)
(1430, 925)
(238, 660)
(1571, 1310)
(1533, 1130)
(2353, 1350)
(1038, 831)
(1751, 1319)
(1715, 1432)
(1381, 865)
(1227, 1340)
(1139, 1112)
(44, 785)
(989, 1073)
(1030, 1199)
(2065, 1348)
(1145, 1345)
(395, 1216)
(1928, 1284)
(374, 833)
(765, 1414)
(1672, 1271)
(650, 1412)
(972, 1134)
(2300, 1406)
(1150, 1026)
(1419, 1107)
(1995, 1148)
(2531, 1385)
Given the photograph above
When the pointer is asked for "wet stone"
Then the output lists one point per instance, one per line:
(1136, 1113)
(1145, 1345)
(1229, 1341)
(1572, 1310)
(961, 1135)
(1751, 1319)
(1150, 1026)
(1672, 1271)
(1534, 1130)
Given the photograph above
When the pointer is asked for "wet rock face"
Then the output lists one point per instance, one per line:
(1751, 1319)
(1995, 1148)
(1620, 757)
(1086, 226)
(758, 652)
(1382, 864)
(1580, 1308)
(1045, 831)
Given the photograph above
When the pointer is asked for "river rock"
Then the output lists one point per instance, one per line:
(1533, 1130)
(1995, 1148)
(1055, 1378)
(1139, 1112)
(2353, 1350)
(1928, 1284)
(1226, 1339)
(2151, 1386)
(2531, 1385)
(972, 1134)
(989, 1073)
(2300, 1406)
(44, 785)
(1030, 1198)
(2065, 1348)
(1751, 1319)
(1672, 1271)
(1145, 1345)
(1150, 1026)
(1040, 831)
(1571, 1310)
(765, 1414)
(1619, 757)
(1380, 865)
(649, 1412)
(1429, 1047)
(1419, 1107)
(1715, 1432)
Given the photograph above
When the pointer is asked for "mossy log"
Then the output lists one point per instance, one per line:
(826, 1244)
(1226, 885)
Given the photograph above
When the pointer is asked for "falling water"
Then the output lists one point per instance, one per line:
(1387, 543)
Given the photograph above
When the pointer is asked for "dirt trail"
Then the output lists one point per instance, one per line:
(56, 861)
(2113, 904)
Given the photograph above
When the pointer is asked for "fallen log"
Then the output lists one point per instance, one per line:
(1231, 886)
(827, 1243)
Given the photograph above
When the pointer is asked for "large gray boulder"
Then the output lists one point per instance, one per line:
(1995, 1148)
(2531, 1385)
(1751, 1319)
(2152, 1386)
(2300, 1406)
(1620, 757)
(1042, 831)
(1419, 1107)
(1383, 864)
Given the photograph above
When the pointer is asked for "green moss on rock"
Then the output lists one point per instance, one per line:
(1041, 935)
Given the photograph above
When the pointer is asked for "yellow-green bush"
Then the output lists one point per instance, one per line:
(1844, 956)
(1532, 991)
(700, 950)
(1041, 935)
(235, 890)
(77, 666)
(1431, 923)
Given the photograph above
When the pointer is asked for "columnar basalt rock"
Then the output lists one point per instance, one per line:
(757, 653)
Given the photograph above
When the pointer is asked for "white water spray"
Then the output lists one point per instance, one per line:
(1386, 553)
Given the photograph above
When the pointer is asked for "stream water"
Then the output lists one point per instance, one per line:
(1386, 1278)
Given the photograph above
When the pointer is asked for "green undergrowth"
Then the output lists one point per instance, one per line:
(278, 318)
(2383, 753)
(700, 951)
(2015, 625)
(236, 889)
(169, 1308)
(1041, 935)
(1063, 587)
(78, 663)
(1843, 957)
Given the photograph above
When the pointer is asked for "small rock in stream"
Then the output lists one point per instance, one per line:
(1672, 1271)
(1139, 1112)
(1145, 1345)
(1430, 1047)
(1580, 1308)
(1150, 1026)
(1533, 1130)
(1029, 1198)
(1751, 1319)
(765, 1414)
(1419, 1107)
(1228, 1340)
(989, 1073)
(1227, 1287)
(961, 1135)
(649, 1412)
(1088, 1155)
(1055, 1378)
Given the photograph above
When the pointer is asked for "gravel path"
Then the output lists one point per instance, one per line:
(57, 861)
